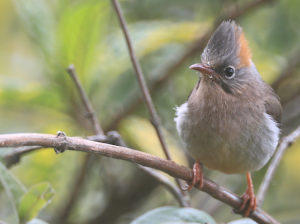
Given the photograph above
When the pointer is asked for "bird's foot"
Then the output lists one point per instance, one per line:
(197, 178)
(249, 200)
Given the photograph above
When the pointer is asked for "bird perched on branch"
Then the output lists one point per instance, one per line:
(231, 119)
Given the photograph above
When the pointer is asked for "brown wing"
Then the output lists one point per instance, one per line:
(272, 103)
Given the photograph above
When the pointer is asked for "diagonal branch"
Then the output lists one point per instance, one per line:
(293, 62)
(164, 181)
(91, 114)
(197, 46)
(283, 146)
(62, 142)
(141, 80)
(143, 86)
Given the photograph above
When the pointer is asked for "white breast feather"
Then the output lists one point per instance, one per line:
(181, 113)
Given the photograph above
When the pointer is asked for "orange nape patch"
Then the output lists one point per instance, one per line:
(245, 53)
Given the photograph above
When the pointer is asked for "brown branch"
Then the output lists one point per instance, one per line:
(287, 72)
(91, 114)
(293, 62)
(282, 147)
(141, 80)
(14, 156)
(196, 47)
(62, 142)
(164, 181)
(143, 86)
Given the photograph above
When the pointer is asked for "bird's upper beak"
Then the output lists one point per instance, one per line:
(203, 68)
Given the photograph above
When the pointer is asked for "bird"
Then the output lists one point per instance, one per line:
(231, 119)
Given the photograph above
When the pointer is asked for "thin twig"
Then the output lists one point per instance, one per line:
(196, 47)
(167, 184)
(13, 156)
(284, 144)
(143, 86)
(141, 80)
(62, 142)
(91, 114)
(293, 62)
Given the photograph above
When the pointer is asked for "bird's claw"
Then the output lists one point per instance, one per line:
(197, 177)
(249, 200)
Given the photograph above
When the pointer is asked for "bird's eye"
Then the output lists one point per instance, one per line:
(229, 72)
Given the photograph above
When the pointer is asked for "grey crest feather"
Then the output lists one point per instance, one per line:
(223, 45)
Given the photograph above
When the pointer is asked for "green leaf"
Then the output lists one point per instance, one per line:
(175, 215)
(36, 221)
(38, 20)
(13, 188)
(36, 198)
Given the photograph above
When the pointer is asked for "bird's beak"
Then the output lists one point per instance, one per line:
(203, 68)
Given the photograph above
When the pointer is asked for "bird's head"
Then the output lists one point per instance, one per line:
(226, 60)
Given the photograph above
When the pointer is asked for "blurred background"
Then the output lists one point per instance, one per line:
(38, 41)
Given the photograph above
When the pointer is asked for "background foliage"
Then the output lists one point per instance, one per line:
(39, 39)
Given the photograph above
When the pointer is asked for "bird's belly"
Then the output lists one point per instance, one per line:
(223, 155)
(248, 148)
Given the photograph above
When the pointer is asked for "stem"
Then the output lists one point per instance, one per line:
(91, 114)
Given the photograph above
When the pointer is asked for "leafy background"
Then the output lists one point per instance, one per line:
(39, 39)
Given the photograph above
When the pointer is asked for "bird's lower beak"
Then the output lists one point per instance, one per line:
(203, 68)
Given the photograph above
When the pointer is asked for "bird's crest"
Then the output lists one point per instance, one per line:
(226, 44)
(245, 53)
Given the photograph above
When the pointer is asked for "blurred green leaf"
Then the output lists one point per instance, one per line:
(13, 188)
(11, 185)
(174, 215)
(36, 198)
(39, 21)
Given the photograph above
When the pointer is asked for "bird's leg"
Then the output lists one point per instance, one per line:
(197, 178)
(249, 200)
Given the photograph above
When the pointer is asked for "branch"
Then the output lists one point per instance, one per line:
(91, 114)
(167, 184)
(141, 80)
(112, 137)
(14, 156)
(197, 46)
(284, 144)
(62, 142)
(143, 86)
(294, 61)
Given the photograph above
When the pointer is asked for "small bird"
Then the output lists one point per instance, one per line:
(231, 120)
